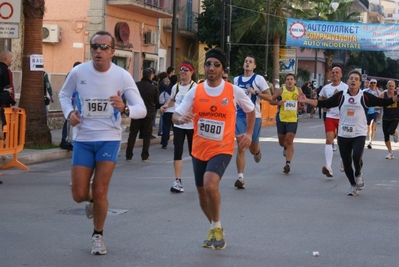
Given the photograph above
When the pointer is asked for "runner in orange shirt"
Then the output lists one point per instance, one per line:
(211, 105)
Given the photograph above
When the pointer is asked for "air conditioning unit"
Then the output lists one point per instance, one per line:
(51, 33)
(150, 38)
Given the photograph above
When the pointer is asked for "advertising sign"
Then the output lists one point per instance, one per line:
(287, 60)
(342, 35)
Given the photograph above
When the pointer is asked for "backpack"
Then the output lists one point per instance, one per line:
(163, 98)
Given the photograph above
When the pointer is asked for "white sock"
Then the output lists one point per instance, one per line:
(241, 175)
(328, 153)
(216, 224)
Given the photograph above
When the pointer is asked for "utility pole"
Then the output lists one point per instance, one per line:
(267, 37)
(228, 48)
(223, 25)
(174, 32)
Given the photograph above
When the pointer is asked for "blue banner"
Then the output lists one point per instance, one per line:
(342, 35)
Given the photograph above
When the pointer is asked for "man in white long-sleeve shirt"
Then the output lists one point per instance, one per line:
(99, 85)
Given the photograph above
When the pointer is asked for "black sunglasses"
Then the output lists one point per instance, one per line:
(184, 69)
(373, 82)
(101, 46)
(208, 64)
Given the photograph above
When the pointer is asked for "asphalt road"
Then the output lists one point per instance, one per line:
(278, 220)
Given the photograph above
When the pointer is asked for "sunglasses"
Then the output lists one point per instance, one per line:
(101, 46)
(225, 78)
(372, 83)
(184, 69)
(208, 64)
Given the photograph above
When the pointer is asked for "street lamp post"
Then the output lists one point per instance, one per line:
(334, 6)
(315, 84)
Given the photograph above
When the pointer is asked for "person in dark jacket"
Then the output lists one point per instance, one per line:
(149, 94)
(6, 86)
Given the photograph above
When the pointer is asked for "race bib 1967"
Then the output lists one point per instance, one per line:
(97, 108)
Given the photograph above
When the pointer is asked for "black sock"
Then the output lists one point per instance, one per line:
(97, 232)
(288, 162)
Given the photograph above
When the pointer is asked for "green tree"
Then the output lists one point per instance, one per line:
(391, 69)
(371, 62)
(37, 131)
(209, 22)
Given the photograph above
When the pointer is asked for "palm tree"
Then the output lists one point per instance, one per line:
(254, 24)
(322, 10)
(37, 131)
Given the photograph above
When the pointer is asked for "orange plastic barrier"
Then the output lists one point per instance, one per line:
(268, 113)
(14, 133)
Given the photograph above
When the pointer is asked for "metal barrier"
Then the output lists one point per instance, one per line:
(14, 137)
(268, 113)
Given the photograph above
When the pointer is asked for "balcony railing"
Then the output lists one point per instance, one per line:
(166, 5)
(186, 23)
(151, 8)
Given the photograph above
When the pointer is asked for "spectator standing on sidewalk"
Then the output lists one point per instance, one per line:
(163, 81)
(66, 138)
(167, 115)
(6, 86)
(99, 85)
(180, 132)
(211, 106)
(48, 91)
(149, 94)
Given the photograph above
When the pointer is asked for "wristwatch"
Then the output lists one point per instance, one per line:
(256, 93)
(126, 111)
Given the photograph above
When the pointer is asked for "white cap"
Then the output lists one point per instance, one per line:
(373, 81)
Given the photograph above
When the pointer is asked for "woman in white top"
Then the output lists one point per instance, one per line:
(180, 132)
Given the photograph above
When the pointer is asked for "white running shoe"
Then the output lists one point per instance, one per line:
(239, 183)
(352, 191)
(395, 136)
(98, 245)
(327, 171)
(359, 182)
(177, 187)
(390, 156)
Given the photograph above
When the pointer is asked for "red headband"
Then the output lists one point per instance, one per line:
(187, 66)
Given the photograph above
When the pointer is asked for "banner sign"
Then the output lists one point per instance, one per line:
(342, 35)
(287, 60)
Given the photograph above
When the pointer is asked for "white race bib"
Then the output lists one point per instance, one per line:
(97, 108)
(290, 105)
(211, 129)
(347, 130)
